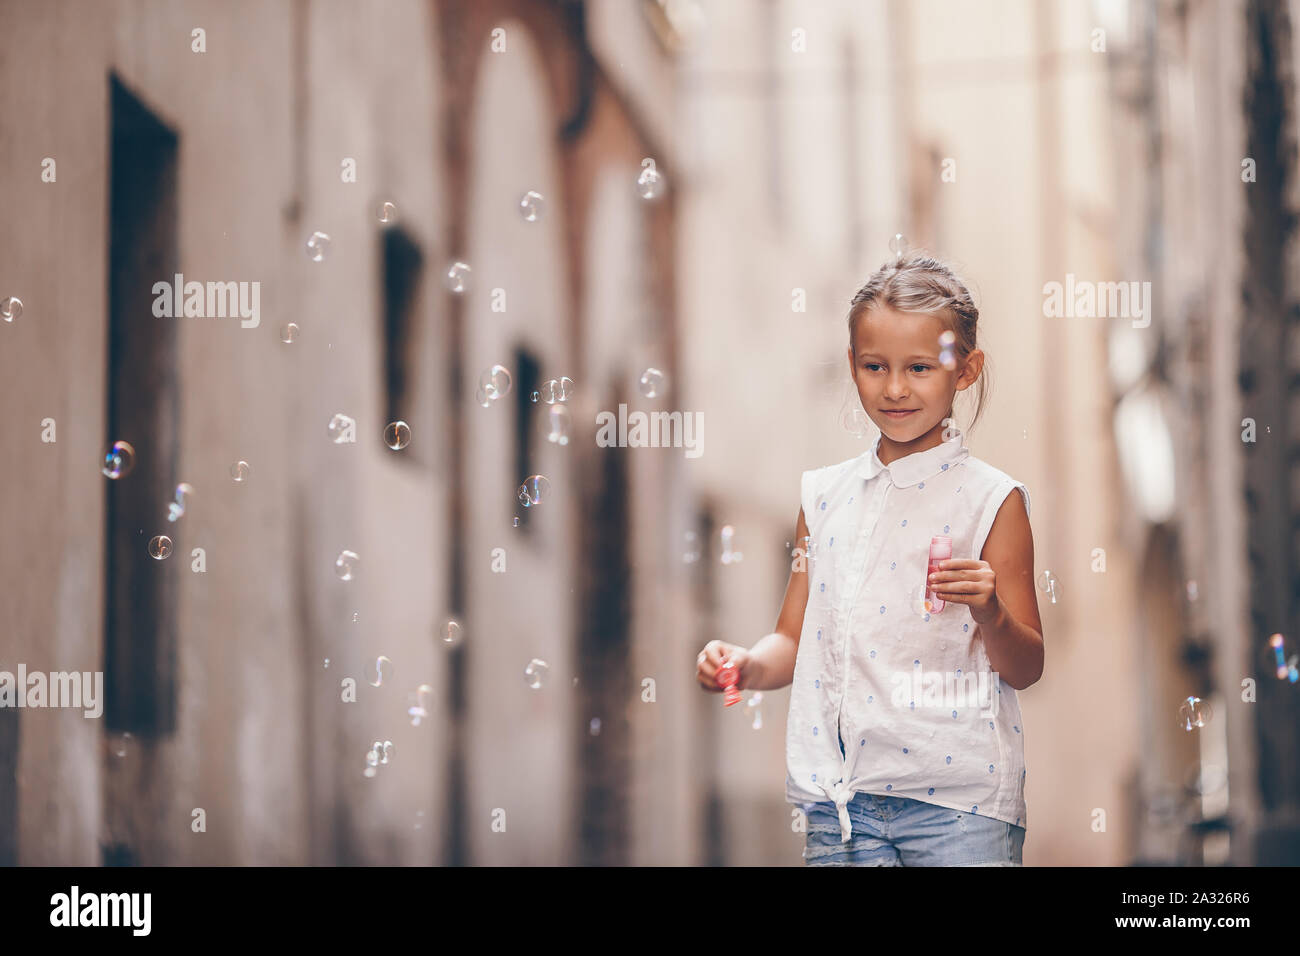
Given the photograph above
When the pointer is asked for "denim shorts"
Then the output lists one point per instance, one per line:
(899, 831)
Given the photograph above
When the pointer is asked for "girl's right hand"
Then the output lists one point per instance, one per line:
(714, 655)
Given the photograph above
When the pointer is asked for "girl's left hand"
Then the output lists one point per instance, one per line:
(969, 582)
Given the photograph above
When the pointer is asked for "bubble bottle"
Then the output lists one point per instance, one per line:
(940, 550)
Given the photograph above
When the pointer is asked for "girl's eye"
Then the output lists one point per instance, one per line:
(921, 367)
(872, 365)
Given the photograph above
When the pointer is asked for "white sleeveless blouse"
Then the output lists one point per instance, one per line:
(909, 692)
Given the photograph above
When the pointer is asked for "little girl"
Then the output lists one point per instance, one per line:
(904, 744)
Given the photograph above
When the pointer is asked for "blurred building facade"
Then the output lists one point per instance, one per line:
(795, 140)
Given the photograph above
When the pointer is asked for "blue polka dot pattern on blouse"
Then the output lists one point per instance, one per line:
(882, 609)
(864, 742)
(916, 663)
(904, 750)
(945, 529)
(850, 499)
(932, 788)
(819, 633)
(904, 522)
(974, 808)
(990, 725)
(814, 731)
(990, 768)
(965, 627)
(943, 468)
(948, 759)
(870, 698)
(817, 684)
(872, 654)
(889, 786)
(959, 487)
(1015, 728)
(921, 485)
(892, 565)
(832, 544)
(823, 585)
(823, 506)
(954, 715)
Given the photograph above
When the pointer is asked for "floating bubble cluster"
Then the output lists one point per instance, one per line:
(160, 547)
(239, 471)
(753, 707)
(387, 213)
(451, 633)
(288, 332)
(317, 246)
(899, 245)
(120, 460)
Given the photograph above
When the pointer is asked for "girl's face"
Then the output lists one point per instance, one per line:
(894, 360)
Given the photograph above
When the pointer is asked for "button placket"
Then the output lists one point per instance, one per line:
(856, 568)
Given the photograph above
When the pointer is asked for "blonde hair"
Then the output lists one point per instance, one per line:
(921, 283)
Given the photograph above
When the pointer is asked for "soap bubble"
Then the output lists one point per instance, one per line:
(947, 356)
(535, 673)
(532, 206)
(420, 708)
(176, 509)
(1194, 712)
(239, 471)
(533, 490)
(342, 429)
(160, 547)
(899, 245)
(119, 743)
(383, 668)
(550, 391)
(594, 727)
(458, 277)
(1049, 585)
(397, 435)
(345, 565)
(651, 382)
(753, 707)
(288, 332)
(559, 419)
(327, 663)
(317, 246)
(692, 553)
(920, 602)
(481, 397)
(649, 182)
(451, 633)
(11, 308)
(728, 534)
(494, 383)
(566, 388)
(387, 213)
(120, 460)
